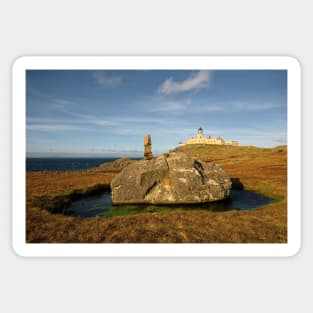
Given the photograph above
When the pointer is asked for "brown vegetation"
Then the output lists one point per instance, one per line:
(260, 170)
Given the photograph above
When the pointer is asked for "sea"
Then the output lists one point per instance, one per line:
(64, 164)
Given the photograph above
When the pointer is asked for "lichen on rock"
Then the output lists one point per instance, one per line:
(173, 178)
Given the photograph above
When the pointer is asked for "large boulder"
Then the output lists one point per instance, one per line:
(174, 178)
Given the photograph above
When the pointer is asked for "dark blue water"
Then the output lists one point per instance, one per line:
(102, 205)
(63, 164)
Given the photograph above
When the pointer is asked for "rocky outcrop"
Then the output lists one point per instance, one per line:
(147, 148)
(174, 178)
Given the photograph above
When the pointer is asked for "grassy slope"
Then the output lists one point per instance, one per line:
(261, 170)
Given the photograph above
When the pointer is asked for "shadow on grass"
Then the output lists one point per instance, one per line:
(60, 203)
(236, 183)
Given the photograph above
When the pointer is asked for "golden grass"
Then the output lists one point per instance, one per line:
(54, 183)
(261, 170)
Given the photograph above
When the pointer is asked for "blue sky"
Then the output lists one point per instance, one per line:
(107, 113)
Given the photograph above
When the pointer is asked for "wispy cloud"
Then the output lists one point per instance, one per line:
(279, 140)
(62, 103)
(52, 128)
(160, 105)
(195, 81)
(254, 106)
(115, 124)
(105, 80)
(233, 106)
(170, 106)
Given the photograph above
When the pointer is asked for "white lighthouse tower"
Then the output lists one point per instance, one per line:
(200, 133)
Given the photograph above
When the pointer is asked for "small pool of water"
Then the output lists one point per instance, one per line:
(102, 205)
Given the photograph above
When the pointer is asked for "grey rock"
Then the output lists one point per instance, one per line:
(147, 147)
(174, 178)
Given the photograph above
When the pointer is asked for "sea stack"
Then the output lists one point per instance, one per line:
(147, 148)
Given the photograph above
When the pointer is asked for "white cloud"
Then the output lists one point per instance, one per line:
(280, 140)
(107, 81)
(234, 106)
(255, 106)
(62, 104)
(195, 81)
(52, 128)
(88, 123)
(170, 106)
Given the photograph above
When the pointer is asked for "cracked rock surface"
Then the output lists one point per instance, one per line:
(172, 178)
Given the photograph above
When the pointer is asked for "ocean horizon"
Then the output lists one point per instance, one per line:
(53, 164)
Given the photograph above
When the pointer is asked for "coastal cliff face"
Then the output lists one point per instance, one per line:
(174, 178)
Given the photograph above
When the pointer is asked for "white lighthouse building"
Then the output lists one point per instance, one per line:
(209, 140)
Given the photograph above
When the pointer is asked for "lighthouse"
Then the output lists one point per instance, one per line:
(200, 133)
